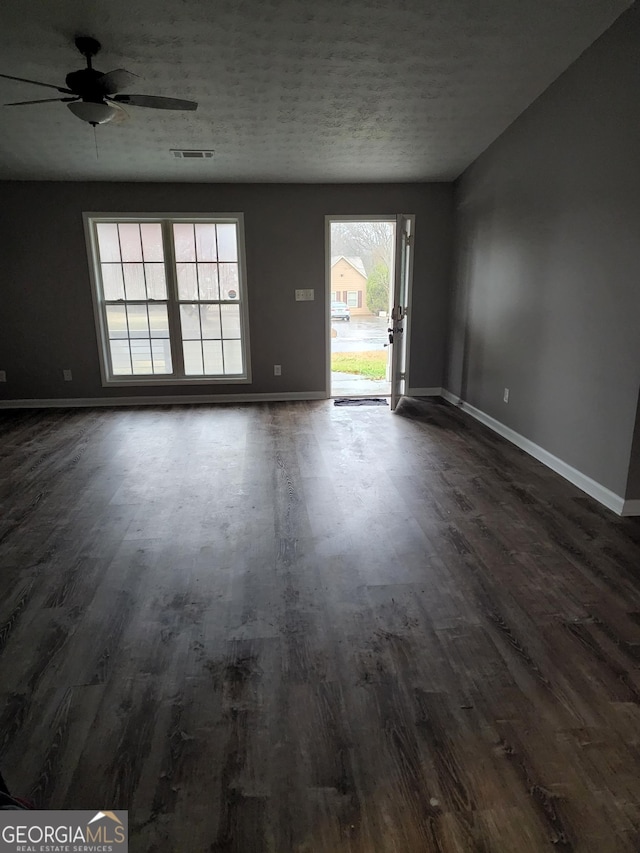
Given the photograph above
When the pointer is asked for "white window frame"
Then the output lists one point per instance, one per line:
(166, 219)
(353, 293)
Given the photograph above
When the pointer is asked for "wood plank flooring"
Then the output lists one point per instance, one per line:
(295, 628)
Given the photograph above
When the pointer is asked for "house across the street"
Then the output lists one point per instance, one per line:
(349, 283)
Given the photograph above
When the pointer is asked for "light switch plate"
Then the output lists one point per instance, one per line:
(305, 295)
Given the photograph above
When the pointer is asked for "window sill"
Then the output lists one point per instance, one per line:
(151, 382)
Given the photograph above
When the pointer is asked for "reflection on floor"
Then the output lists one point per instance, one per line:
(353, 385)
(303, 628)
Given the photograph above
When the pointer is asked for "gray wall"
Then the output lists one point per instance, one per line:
(46, 314)
(547, 290)
(633, 481)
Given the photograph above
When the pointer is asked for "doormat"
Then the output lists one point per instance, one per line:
(360, 401)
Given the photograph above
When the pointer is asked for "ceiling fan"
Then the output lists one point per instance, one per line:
(93, 96)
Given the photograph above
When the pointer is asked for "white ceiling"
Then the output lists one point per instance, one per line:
(289, 90)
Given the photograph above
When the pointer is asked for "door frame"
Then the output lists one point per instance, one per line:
(370, 217)
(403, 269)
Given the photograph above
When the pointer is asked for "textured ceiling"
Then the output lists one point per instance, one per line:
(289, 90)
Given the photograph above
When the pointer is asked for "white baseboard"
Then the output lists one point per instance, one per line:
(424, 392)
(81, 402)
(449, 397)
(594, 489)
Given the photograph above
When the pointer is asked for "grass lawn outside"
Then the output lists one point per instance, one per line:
(372, 364)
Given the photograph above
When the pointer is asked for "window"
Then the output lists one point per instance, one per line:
(352, 298)
(170, 298)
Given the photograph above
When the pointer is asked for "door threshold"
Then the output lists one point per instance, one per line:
(384, 396)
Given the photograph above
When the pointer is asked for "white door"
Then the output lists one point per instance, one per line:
(399, 307)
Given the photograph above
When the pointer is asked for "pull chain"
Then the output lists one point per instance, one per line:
(95, 139)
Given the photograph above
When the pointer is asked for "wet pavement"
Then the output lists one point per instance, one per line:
(353, 385)
(360, 334)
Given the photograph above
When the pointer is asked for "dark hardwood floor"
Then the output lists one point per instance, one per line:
(296, 627)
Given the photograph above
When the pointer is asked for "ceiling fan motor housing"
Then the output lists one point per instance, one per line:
(85, 84)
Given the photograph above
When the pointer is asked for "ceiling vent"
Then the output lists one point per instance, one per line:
(191, 154)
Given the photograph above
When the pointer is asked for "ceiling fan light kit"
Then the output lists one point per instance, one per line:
(95, 96)
(93, 113)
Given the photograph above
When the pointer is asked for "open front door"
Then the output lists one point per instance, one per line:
(399, 307)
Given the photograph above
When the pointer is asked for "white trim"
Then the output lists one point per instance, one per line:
(328, 219)
(165, 220)
(149, 381)
(631, 508)
(354, 217)
(449, 397)
(359, 217)
(582, 481)
(109, 215)
(92, 261)
(424, 392)
(591, 487)
(408, 321)
(327, 303)
(80, 402)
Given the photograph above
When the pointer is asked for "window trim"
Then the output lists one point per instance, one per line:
(149, 380)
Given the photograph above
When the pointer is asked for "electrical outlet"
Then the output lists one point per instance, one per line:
(305, 295)
(277, 370)
(505, 396)
(3, 375)
(67, 375)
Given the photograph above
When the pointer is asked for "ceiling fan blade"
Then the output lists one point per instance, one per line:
(41, 101)
(38, 83)
(156, 101)
(114, 81)
(121, 116)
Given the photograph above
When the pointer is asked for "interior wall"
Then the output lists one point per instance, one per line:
(633, 480)
(47, 322)
(546, 299)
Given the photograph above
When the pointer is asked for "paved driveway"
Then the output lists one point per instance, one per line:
(360, 334)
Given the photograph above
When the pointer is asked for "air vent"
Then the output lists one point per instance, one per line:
(191, 154)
